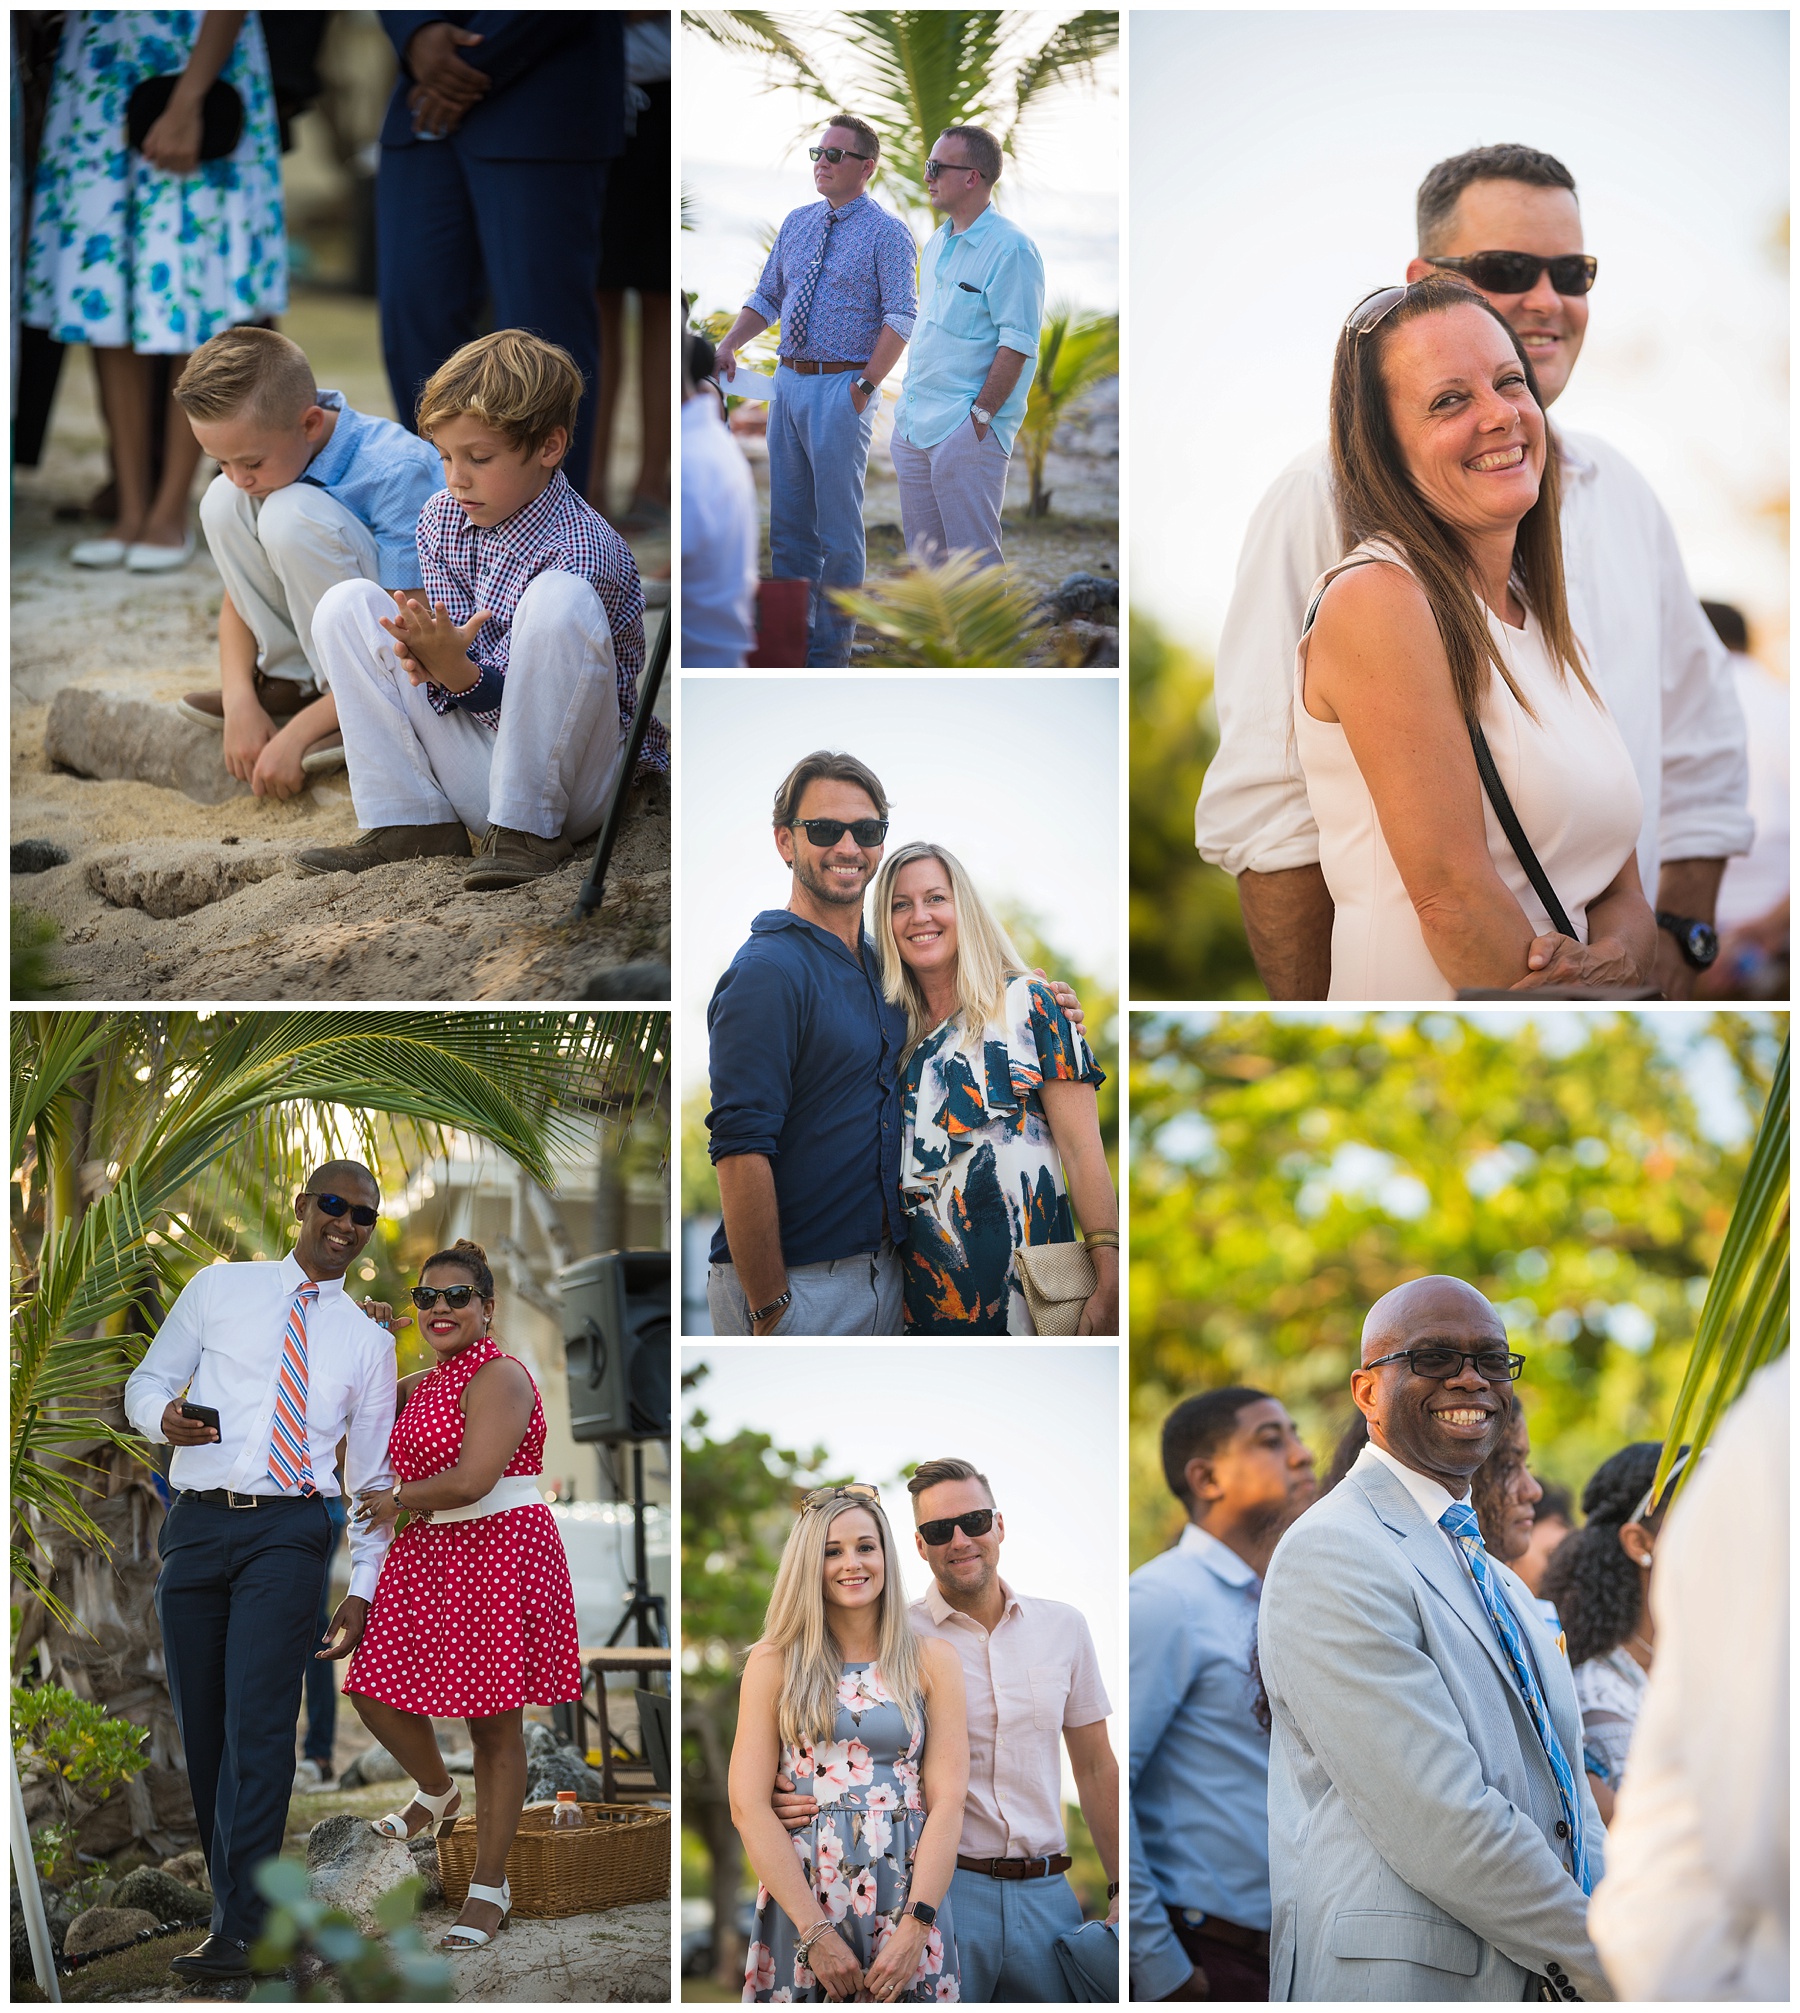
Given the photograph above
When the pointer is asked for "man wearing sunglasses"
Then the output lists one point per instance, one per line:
(1504, 219)
(1431, 1831)
(981, 282)
(840, 281)
(291, 1367)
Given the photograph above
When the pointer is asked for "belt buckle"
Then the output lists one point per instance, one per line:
(233, 1501)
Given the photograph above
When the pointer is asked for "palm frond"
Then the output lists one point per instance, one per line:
(1073, 50)
(958, 614)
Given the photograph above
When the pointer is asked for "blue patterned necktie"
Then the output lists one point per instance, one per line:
(1461, 1522)
(809, 285)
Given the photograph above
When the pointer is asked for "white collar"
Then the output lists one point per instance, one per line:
(292, 1274)
(1432, 1497)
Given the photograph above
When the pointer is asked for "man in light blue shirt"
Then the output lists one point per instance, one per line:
(1199, 1758)
(974, 353)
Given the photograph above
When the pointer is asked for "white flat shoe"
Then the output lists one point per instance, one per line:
(393, 1825)
(460, 1937)
(98, 552)
(159, 558)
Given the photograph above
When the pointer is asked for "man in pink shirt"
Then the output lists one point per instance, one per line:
(1033, 1684)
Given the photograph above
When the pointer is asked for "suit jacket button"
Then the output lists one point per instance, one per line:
(1562, 1829)
(1569, 1992)
(1555, 1970)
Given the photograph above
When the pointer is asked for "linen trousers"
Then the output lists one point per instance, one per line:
(858, 1295)
(279, 555)
(950, 495)
(548, 768)
(1006, 1932)
(818, 458)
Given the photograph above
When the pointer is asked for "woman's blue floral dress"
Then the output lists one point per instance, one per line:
(980, 1173)
(122, 254)
(857, 1852)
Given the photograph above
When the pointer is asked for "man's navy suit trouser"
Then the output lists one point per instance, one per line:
(453, 230)
(238, 1597)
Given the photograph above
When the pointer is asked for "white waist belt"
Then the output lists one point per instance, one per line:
(511, 1492)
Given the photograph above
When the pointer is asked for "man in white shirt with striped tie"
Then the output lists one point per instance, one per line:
(291, 1367)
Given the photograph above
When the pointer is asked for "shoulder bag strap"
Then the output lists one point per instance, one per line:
(1515, 832)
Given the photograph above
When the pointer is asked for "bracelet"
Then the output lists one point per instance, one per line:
(1107, 1240)
(820, 1928)
(398, 1505)
(774, 1307)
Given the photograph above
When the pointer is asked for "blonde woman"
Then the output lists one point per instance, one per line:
(840, 1694)
(1002, 1127)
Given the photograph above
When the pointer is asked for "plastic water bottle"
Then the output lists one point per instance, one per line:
(568, 1811)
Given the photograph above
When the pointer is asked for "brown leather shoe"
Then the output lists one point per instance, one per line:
(508, 857)
(385, 845)
(280, 698)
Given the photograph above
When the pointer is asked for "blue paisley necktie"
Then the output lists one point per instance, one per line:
(1460, 1521)
(809, 285)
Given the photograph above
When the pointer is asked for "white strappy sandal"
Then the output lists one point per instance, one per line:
(393, 1825)
(460, 1937)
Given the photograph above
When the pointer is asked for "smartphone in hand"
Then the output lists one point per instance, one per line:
(207, 1415)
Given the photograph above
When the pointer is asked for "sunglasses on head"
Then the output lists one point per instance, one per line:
(933, 169)
(1517, 272)
(835, 154)
(815, 1497)
(972, 1523)
(427, 1297)
(359, 1213)
(828, 831)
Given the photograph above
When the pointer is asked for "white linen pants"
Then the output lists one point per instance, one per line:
(278, 556)
(950, 495)
(550, 765)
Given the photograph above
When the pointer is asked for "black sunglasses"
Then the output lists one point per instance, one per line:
(425, 1298)
(933, 169)
(828, 831)
(1498, 1366)
(359, 1213)
(973, 1523)
(1517, 272)
(835, 154)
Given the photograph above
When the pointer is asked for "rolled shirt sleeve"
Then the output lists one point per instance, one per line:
(1016, 298)
(771, 289)
(753, 1029)
(897, 279)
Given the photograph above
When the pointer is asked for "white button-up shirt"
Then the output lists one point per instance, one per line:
(1034, 1675)
(1652, 655)
(222, 1346)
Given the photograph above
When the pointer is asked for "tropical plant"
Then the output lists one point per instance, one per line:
(1744, 1322)
(82, 1750)
(958, 614)
(1074, 355)
(916, 71)
(303, 1936)
(34, 972)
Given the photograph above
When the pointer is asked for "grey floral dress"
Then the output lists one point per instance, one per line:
(857, 1852)
(122, 254)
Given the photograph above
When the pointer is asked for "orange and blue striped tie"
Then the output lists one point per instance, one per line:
(290, 1456)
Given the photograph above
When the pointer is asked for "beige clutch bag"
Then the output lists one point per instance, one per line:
(1059, 1280)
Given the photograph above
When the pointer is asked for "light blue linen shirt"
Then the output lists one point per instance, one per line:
(980, 290)
(382, 474)
(1199, 1761)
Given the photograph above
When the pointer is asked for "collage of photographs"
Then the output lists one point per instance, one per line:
(640, 970)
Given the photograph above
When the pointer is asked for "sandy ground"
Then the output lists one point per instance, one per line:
(401, 932)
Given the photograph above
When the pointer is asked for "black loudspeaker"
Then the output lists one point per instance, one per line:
(617, 1321)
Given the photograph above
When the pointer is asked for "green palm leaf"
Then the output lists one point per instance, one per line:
(958, 614)
(1075, 353)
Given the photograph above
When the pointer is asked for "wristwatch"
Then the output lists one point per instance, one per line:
(774, 1307)
(863, 384)
(1699, 941)
(923, 1913)
(980, 415)
(1112, 1890)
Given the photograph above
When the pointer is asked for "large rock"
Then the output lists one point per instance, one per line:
(190, 1869)
(105, 1929)
(618, 1957)
(374, 1764)
(425, 1865)
(118, 737)
(351, 1868)
(107, 1828)
(561, 1768)
(168, 1899)
(175, 879)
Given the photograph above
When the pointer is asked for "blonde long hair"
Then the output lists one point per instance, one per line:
(797, 1627)
(985, 955)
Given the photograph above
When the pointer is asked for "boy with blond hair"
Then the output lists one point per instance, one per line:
(309, 492)
(498, 702)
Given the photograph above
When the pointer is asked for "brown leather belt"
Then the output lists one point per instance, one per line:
(1017, 1869)
(1230, 1934)
(822, 369)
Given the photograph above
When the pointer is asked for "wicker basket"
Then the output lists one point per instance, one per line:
(621, 1852)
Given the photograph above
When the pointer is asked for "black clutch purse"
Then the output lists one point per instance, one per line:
(221, 115)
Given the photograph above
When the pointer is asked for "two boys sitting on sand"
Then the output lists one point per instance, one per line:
(496, 698)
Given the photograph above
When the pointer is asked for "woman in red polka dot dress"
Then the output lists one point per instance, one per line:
(473, 1617)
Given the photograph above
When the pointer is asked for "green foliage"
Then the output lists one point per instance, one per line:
(1187, 933)
(699, 1179)
(78, 1743)
(34, 973)
(1075, 353)
(395, 1966)
(1287, 1171)
(958, 614)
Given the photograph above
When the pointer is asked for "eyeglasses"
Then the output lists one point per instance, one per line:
(1496, 1365)
(972, 1523)
(815, 1497)
(1517, 272)
(359, 1213)
(425, 1298)
(828, 831)
(933, 169)
(835, 154)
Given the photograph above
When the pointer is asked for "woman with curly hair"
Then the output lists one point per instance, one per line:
(1599, 1581)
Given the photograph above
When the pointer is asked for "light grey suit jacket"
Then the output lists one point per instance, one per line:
(1413, 1816)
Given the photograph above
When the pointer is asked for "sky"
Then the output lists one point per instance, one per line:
(1274, 159)
(1019, 777)
(744, 166)
(1041, 1420)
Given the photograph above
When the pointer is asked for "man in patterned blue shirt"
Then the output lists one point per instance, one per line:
(499, 700)
(841, 282)
(982, 282)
